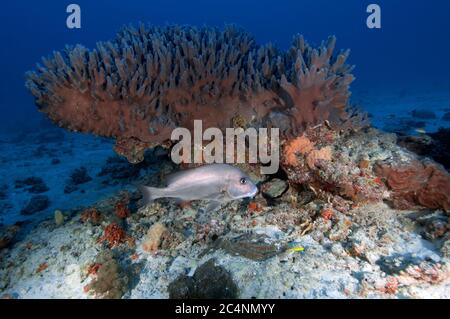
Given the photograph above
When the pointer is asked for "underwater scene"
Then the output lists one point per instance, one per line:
(225, 149)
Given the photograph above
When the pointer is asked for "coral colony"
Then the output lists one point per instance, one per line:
(345, 196)
(249, 145)
(146, 82)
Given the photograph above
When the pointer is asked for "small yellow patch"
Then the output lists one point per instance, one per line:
(296, 249)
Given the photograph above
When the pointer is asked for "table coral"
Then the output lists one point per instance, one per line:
(144, 83)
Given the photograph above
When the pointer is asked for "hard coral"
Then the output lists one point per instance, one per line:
(421, 183)
(140, 86)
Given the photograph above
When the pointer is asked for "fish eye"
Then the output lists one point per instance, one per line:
(243, 180)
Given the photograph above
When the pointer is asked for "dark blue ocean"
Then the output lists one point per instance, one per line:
(410, 52)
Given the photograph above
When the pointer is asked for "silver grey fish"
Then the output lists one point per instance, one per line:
(218, 183)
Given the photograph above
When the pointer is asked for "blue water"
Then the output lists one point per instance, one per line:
(409, 52)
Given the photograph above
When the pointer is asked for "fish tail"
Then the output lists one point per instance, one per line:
(149, 194)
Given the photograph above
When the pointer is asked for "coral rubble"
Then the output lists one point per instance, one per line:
(141, 85)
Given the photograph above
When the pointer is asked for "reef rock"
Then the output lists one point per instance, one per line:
(78, 176)
(7, 235)
(274, 188)
(208, 282)
(417, 182)
(33, 184)
(325, 161)
(36, 204)
(423, 114)
(434, 145)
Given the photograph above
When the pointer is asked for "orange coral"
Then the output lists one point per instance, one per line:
(93, 269)
(134, 257)
(42, 267)
(327, 214)
(91, 215)
(114, 235)
(416, 183)
(302, 145)
(391, 286)
(122, 210)
(295, 147)
(254, 207)
(316, 155)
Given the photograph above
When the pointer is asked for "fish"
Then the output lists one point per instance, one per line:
(296, 249)
(216, 183)
(420, 130)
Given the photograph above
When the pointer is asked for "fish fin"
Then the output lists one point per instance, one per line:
(149, 194)
(169, 179)
(212, 206)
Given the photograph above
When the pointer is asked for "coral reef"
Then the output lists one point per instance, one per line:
(77, 177)
(422, 183)
(32, 184)
(122, 210)
(117, 169)
(274, 188)
(316, 160)
(109, 280)
(147, 81)
(434, 145)
(91, 215)
(7, 235)
(423, 114)
(36, 204)
(153, 238)
(114, 235)
(251, 246)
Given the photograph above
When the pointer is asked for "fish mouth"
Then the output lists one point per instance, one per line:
(247, 195)
(253, 193)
